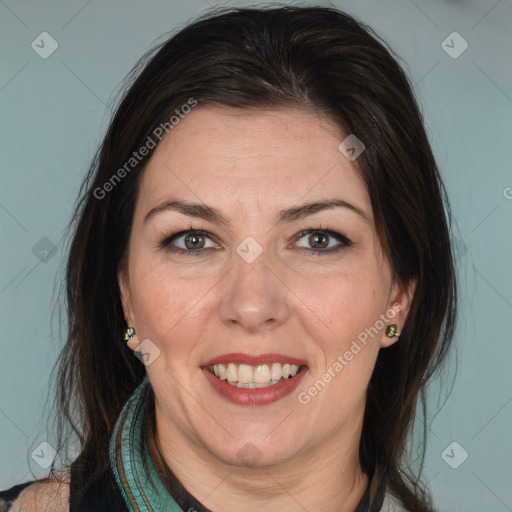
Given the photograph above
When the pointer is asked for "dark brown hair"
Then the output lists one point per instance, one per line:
(314, 58)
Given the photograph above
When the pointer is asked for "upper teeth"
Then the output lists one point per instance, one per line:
(260, 374)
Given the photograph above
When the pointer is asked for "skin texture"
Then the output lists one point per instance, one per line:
(288, 301)
(42, 497)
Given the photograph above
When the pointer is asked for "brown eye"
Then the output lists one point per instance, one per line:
(190, 241)
(322, 241)
(194, 241)
(318, 241)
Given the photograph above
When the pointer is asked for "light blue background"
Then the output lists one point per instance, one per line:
(54, 114)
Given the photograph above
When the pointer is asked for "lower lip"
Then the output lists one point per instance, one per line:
(254, 396)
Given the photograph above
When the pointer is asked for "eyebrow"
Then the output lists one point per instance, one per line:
(211, 214)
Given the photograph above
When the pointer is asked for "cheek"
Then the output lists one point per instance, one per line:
(350, 304)
(169, 309)
(348, 301)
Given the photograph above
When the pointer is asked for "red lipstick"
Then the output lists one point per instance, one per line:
(254, 396)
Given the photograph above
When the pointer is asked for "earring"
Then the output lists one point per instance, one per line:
(391, 331)
(129, 333)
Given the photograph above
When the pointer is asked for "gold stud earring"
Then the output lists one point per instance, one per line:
(391, 331)
(129, 333)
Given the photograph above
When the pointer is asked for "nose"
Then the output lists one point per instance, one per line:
(255, 298)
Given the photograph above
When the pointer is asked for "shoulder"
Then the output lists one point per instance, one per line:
(42, 496)
(392, 504)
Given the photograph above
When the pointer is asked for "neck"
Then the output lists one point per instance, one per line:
(332, 470)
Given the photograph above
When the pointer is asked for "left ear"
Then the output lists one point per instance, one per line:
(129, 316)
(400, 300)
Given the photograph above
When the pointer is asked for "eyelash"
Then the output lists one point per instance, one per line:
(168, 239)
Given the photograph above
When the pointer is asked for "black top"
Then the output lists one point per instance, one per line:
(102, 496)
(105, 496)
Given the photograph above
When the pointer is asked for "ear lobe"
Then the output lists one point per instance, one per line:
(401, 297)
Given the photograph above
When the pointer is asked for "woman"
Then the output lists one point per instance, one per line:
(265, 228)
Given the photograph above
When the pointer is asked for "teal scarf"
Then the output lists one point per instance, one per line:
(135, 486)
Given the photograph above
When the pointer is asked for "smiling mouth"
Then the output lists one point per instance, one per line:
(259, 376)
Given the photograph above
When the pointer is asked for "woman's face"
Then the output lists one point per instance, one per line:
(251, 292)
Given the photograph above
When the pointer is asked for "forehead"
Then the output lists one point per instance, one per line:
(268, 157)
